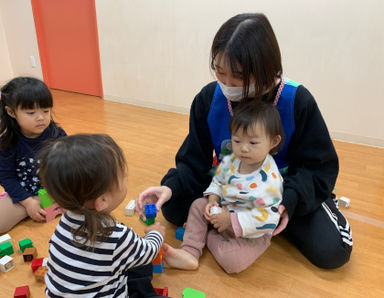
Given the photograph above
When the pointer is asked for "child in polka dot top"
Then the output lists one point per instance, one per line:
(239, 212)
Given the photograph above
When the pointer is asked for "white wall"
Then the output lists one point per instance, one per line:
(155, 53)
(5, 63)
(20, 33)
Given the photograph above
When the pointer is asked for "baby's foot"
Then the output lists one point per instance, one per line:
(178, 258)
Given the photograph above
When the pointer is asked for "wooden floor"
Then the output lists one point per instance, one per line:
(150, 139)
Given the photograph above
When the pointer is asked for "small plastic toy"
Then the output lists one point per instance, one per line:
(40, 273)
(6, 263)
(25, 243)
(344, 202)
(53, 211)
(214, 210)
(3, 194)
(162, 292)
(158, 268)
(6, 249)
(150, 211)
(150, 217)
(179, 234)
(22, 292)
(36, 263)
(44, 198)
(5, 238)
(159, 258)
(192, 293)
(29, 254)
(130, 208)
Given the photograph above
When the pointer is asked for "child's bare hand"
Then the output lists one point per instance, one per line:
(156, 227)
(221, 221)
(34, 210)
(207, 212)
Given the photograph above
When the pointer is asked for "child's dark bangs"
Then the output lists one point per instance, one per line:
(31, 99)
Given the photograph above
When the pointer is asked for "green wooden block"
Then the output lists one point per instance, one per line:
(6, 249)
(45, 200)
(192, 293)
(25, 243)
(148, 221)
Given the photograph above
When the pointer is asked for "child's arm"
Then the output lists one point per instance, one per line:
(136, 251)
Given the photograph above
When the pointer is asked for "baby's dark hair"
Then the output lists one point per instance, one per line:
(80, 168)
(247, 114)
(24, 93)
(248, 42)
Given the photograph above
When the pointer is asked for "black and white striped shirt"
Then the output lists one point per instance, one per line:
(77, 272)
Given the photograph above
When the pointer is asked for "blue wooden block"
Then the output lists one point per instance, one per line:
(150, 211)
(158, 268)
(179, 234)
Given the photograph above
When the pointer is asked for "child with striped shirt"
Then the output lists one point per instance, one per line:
(90, 254)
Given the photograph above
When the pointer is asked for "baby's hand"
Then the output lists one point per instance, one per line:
(156, 227)
(34, 210)
(207, 211)
(222, 221)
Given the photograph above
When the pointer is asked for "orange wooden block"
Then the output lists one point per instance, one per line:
(29, 254)
(40, 273)
(159, 258)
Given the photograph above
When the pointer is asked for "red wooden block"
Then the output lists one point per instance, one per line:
(162, 292)
(36, 263)
(22, 292)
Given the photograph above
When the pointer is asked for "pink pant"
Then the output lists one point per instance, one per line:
(233, 254)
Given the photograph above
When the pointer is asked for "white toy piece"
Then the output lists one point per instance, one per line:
(5, 238)
(130, 208)
(6, 263)
(344, 202)
(214, 210)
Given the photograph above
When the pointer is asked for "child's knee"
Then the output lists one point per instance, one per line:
(230, 264)
(199, 204)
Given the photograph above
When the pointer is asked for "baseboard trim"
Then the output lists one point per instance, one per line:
(147, 104)
(362, 140)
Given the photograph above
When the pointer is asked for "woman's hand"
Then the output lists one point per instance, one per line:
(284, 218)
(153, 195)
(34, 210)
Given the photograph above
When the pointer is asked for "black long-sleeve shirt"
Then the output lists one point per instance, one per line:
(313, 162)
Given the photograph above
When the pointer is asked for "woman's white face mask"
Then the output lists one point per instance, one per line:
(235, 93)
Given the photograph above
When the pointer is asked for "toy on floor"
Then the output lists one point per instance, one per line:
(158, 263)
(162, 292)
(344, 202)
(6, 263)
(23, 244)
(192, 293)
(3, 195)
(44, 198)
(5, 238)
(150, 212)
(22, 292)
(179, 234)
(40, 273)
(29, 254)
(53, 211)
(6, 248)
(48, 204)
(130, 208)
(36, 263)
